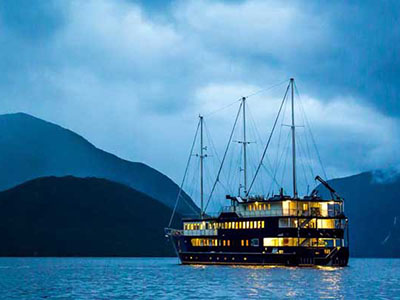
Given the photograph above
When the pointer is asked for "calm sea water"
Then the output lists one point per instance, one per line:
(164, 278)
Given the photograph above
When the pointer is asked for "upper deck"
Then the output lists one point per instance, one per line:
(283, 207)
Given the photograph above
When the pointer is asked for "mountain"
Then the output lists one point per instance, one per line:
(32, 148)
(373, 207)
(72, 216)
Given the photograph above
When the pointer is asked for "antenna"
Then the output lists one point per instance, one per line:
(293, 142)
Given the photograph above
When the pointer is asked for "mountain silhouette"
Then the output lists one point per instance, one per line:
(32, 148)
(71, 216)
(373, 207)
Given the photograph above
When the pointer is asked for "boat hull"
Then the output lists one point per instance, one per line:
(291, 256)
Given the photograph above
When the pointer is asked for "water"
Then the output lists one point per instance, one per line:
(163, 278)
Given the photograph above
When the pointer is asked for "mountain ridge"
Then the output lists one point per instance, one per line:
(31, 147)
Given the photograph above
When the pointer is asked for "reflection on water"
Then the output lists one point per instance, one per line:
(164, 278)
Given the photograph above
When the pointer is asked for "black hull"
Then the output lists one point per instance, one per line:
(293, 256)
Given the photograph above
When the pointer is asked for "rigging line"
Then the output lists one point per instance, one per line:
(266, 89)
(269, 140)
(240, 99)
(307, 153)
(184, 176)
(312, 136)
(284, 165)
(302, 159)
(224, 157)
(278, 157)
(259, 137)
(279, 160)
(212, 145)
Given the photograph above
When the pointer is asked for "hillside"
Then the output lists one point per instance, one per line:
(71, 216)
(32, 148)
(373, 207)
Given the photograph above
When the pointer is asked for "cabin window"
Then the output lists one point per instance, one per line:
(240, 225)
(259, 207)
(280, 242)
(224, 243)
(255, 243)
(305, 206)
(247, 243)
(247, 224)
(262, 224)
(265, 206)
(251, 225)
(250, 207)
(237, 225)
(242, 243)
(259, 224)
(326, 223)
(269, 206)
(226, 225)
(228, 243)
(255, 224)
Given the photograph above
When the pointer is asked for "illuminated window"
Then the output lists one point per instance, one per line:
(226, 225)
(269, 206)
(228, 243)
(262, 224)
(326, 223)
(240, 225)
(280, 242)
(247, 224)
(242, 242)
(259, 207)
(259, 224)
(250, 207)
(305, 206)
(224, 243)
(251, 225)
(265, 206)
(237, 225)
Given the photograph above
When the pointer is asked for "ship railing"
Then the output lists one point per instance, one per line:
(279, 212)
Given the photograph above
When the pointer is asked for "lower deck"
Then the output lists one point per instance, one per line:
(299, 256)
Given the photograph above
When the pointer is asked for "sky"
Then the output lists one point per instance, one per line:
(133, 76)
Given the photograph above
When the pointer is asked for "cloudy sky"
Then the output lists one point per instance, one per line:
(132, 76)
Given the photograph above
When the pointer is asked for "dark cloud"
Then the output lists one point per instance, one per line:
(129, 75)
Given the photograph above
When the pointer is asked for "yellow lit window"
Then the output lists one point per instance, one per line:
(259, 207)
(247, 243)
(250, 207)
(247, 224)
(269, 206)
(259, 224)
(240, 225)
(265, 206)
(237, 225)
(251, 225)
(226, 225)
(305, 206)
(255, 224)
(224, 243)
(242, 243)
(262, 224)
(228, 243)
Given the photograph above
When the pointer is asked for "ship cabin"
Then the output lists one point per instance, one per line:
(280, 221)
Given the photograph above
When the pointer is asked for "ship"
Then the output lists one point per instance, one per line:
(280, 229)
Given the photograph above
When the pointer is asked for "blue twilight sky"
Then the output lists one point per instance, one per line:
(132, 76)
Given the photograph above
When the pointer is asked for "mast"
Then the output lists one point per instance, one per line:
(244, 147)
(293, 142)
(201, 168)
